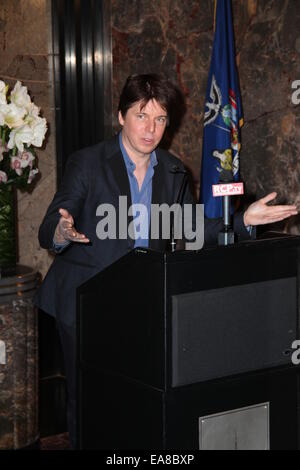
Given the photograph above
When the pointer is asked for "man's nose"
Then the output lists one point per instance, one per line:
(151, 125)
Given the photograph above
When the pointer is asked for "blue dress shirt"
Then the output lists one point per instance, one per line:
(144, 196)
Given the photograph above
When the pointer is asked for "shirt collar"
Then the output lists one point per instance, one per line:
(130, 165)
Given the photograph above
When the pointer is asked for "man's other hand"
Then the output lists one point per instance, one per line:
(65, 230)
(260, 213)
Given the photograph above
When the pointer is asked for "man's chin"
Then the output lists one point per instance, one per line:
(148, 148)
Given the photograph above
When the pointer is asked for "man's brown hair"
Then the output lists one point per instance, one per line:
(147, 87)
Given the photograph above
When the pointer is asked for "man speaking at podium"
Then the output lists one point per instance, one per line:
(131, 164)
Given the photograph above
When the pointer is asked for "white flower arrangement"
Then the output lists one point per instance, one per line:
(21, 129)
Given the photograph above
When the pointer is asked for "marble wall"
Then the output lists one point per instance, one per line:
(25, 55)
(175, 37)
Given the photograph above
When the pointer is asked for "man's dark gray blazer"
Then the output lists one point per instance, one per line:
(94, 176)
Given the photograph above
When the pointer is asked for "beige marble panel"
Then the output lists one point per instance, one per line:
(26, 55)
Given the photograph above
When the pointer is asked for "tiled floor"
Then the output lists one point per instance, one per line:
(57, 442)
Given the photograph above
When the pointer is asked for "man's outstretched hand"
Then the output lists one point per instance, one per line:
(65, 230)
(260, 213)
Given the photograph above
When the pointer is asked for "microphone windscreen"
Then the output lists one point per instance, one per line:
(226, 176)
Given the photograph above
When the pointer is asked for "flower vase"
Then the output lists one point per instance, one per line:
(8, 246)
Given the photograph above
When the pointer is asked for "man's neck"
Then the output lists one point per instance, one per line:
(140, 160)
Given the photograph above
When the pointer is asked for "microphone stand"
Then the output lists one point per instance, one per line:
(226, 236)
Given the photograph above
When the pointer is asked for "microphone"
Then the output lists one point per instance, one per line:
(226, 189)
(176, 169)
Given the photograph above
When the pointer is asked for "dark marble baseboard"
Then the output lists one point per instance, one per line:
(56, 442)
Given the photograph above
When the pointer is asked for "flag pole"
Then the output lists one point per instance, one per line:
(215, 14)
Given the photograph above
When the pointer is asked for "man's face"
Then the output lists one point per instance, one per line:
(143, 128)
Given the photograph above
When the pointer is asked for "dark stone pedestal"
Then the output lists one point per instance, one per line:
(18, 359)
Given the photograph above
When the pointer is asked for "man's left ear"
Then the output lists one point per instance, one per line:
(121, 120)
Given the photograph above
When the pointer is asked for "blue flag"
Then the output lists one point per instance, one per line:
(222, 115)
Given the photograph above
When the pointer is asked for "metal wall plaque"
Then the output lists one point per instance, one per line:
(240, 429)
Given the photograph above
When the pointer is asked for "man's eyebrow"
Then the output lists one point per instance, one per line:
(160, 115)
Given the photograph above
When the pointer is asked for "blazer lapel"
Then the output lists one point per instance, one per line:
(159, 196)
(119, 171)
(158, 182)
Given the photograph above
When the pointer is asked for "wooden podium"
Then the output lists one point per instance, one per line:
(191, 350)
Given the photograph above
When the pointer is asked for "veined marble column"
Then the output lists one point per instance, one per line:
(18, 360)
